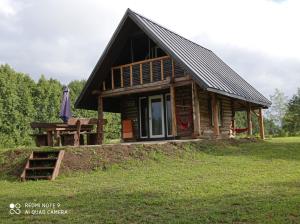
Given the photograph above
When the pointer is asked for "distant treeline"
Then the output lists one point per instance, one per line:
(22, 100)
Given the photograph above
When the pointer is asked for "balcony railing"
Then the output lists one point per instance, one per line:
(142, 72)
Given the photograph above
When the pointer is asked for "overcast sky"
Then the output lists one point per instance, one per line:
(63, 39)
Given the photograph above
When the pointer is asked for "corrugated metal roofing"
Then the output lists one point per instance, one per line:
(208, 69)
(211, 71)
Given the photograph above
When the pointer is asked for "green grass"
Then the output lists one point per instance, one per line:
(208, 183)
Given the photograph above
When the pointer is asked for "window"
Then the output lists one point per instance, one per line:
(220, 112)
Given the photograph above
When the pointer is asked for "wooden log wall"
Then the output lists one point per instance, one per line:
(205, 116)
(129, 110)
(226, 116)
(184, 110)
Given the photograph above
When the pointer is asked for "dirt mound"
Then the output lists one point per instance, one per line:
(101, 157)
(89, 158)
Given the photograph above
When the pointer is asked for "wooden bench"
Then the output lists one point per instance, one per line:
(70, 133)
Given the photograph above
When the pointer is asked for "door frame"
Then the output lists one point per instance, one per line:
(166, 112)
(161, 97)
(140, 117)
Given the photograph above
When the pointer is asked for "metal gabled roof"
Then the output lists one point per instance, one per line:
(210, 72)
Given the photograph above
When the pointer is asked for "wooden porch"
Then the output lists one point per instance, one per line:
(163, 73)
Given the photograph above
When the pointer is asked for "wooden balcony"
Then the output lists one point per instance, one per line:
(142, 76)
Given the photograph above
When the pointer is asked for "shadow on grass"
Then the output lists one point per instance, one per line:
(111, 206)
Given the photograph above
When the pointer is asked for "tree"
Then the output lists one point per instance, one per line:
(277, 110)
(22, 101)
(291, 121)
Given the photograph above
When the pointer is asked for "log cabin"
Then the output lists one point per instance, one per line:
(166, 86)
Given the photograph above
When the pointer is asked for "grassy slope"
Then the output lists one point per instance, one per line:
(246, 183)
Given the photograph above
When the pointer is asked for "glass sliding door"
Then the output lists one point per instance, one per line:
(168, 115)
(144, 121)
(156, 116)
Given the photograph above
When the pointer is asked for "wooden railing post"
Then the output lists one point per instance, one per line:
(112, 79)
(261, 124)
(162, 69)
(131, 81)
(122, 80)
(100, 120)
(215, 115)
(104, 88)
(141, 74)
(249, 120)
(151, 75)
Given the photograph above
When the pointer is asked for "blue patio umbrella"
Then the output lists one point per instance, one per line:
(65, 108)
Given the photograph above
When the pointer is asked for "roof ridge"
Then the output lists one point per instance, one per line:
(163, 27)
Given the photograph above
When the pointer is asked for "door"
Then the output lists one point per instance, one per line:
(156, 116)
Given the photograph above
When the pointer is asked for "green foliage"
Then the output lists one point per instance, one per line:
(113, 128)
(291, 121)
(23, 101)
(278, 108)
(209, 183)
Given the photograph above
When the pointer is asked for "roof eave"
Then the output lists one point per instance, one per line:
(265, 105)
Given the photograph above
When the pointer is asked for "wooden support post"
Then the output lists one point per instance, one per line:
(261, 124)
(141, 74)
(49, 138)
(122, 80)
(173, 110)
(100, 121)
(104, 88)
(233, 124)
(215, 115)
(249, 120)
(112, 79)
(131, 81)
(162, 69)
(151, 73)
(196, 110)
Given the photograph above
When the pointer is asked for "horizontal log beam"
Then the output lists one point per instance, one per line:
(164, 84)
(137, 89)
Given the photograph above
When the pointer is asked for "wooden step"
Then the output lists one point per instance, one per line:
(43, 159)
(43, 165)
(45, 154)
(38, 177)
(40, 168)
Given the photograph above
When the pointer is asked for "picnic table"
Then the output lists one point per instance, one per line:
(70, 133)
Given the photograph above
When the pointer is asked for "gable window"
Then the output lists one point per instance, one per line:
(220, 112)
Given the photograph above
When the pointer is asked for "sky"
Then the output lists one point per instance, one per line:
(63, 39)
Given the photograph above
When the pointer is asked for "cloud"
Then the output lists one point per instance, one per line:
(64, 39)
(6, 8)
(262, 71)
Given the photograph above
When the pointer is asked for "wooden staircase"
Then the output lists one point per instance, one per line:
(43, 165)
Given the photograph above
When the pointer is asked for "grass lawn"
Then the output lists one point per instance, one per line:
(255, 182)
